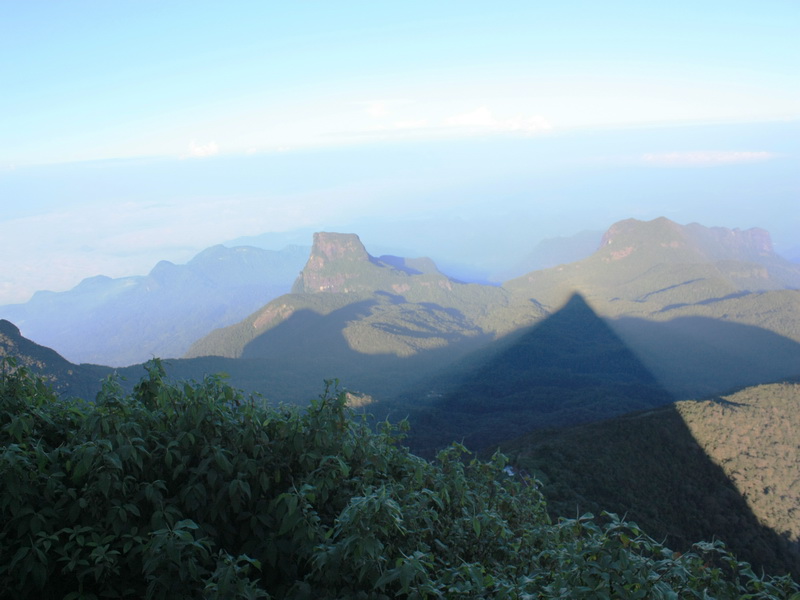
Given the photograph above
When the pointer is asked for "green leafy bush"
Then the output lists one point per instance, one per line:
(189, 490)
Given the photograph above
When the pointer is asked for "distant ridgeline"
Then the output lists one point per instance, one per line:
(660, 310)
(130, 320)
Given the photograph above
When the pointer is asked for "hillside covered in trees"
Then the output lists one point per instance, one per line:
(187, 490)
(724, 467)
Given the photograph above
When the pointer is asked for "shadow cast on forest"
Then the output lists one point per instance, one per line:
(650, 468)
(568, 368)
(308, 348)
(694, 357)
(574, 371)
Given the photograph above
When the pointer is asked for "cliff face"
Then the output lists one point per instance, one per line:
(734, 243)
(335, 259)
(337, 246)
(339, 263)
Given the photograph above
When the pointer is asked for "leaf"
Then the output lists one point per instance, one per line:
(387, 577)
(19, 555)
(476, 526)
(186, 524)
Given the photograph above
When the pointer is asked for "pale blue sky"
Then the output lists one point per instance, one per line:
(135, 131)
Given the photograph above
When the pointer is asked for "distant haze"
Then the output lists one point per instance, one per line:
(469, 132)
(483, 203)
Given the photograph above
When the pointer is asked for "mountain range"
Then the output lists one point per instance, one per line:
(129, 320)
(704, 310)
(658, 313)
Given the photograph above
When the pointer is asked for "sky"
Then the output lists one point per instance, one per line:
(132, 132)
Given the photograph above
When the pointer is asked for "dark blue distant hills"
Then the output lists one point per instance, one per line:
(129, 320)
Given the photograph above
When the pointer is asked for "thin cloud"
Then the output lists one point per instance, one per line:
(408, 124)
(134, 236)
(704, 158)
(378, 109)
(202, 150)
(532, 124)
(411, 124)
(382, 108)
(482, 119)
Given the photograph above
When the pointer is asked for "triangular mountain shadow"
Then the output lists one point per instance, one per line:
(650, 468)
(697, 356)
(569, 368)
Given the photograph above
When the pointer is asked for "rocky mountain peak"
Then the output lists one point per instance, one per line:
(687, 242)
(335, 258)
(337, 246)
(660, 229)
(9, 330)
(339, 263)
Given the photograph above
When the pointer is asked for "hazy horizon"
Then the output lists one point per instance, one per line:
(134, 133)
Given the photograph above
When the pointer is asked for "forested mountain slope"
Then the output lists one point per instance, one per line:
(643, 266)
(375, 323)
(182, 490)
(726, 466)
(568, 368)
(705, 309)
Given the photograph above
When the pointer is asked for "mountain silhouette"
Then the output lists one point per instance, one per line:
(128, 320)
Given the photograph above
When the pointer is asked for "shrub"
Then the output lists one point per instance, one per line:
(190, 490)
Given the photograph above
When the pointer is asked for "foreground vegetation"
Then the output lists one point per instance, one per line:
(189, 490)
